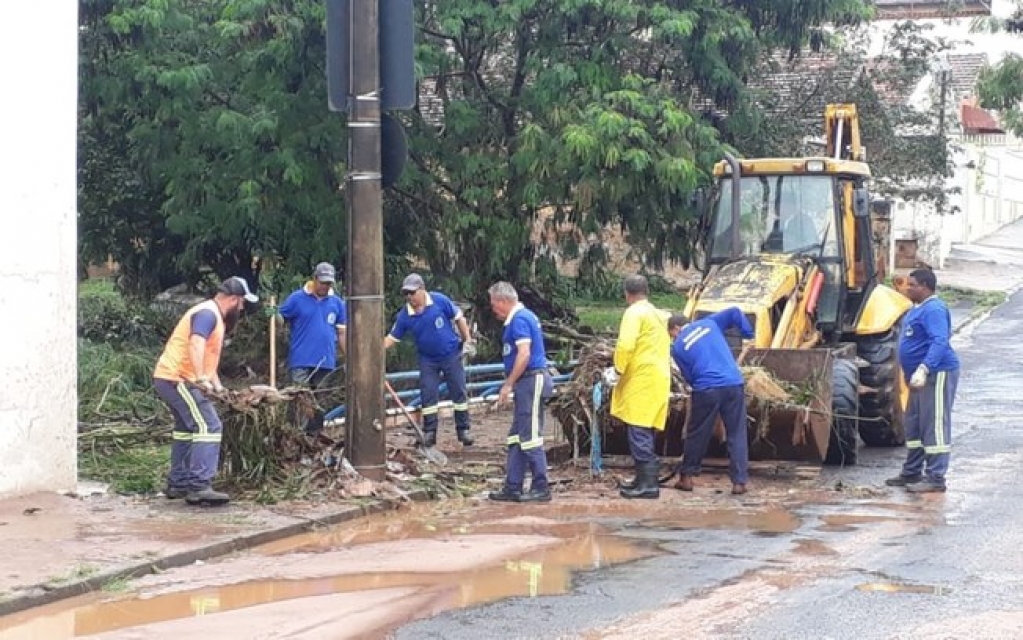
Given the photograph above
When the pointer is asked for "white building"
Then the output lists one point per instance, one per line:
(38, 245)
(986, 190)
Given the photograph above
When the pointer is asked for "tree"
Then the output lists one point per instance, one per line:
(580, 112)
(1001, 86)
(205, 139)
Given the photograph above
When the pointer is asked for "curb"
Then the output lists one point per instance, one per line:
(976, 317)
(43, 594)
(980, 315)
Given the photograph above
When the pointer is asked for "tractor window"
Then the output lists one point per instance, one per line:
(778, 214)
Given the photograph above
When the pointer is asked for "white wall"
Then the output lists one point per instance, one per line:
(996, 45)
(38, 245)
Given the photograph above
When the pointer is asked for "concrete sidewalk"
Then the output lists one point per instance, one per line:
(994, 263)
(60, 546)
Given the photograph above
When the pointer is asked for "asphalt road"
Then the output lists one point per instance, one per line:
(876, 564)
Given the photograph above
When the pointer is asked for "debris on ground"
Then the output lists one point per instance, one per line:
(574, 409)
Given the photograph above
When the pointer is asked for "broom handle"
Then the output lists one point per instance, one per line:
(273, 343)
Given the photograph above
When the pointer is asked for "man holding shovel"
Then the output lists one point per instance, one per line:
(432, 318)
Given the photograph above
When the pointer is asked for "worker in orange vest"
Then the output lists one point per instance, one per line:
(185, 373)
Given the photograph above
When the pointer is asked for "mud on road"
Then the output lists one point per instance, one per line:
(392, 574)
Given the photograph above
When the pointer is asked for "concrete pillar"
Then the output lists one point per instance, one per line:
(38, 247)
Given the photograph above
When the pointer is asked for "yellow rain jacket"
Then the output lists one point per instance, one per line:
(643, 358)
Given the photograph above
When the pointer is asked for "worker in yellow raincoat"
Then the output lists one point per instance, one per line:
(641, 381)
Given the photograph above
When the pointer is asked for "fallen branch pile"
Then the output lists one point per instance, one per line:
(574, 407)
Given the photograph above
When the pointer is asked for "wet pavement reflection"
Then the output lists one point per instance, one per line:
(388, 572)
(547, 571)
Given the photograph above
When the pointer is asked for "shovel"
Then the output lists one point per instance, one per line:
(432, 454)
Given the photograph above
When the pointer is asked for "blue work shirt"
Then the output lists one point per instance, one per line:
(314, 323)
(702, 353)
(522, 327)
(432, 328)
(926, 330)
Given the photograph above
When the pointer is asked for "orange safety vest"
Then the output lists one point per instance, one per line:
(175, 363)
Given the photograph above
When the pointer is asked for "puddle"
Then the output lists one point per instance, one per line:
(539, 573)
(422, 521)
(770, 522)
(848, 522)
(897, 587)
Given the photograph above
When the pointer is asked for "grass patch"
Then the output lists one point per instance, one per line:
(118, 585)
(982, 300)
(115, 384)
(604, 316)
(136, 469)
(80, 572)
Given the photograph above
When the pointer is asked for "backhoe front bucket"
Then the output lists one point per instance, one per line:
(798, 430)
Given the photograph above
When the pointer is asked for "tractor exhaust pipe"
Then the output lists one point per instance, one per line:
(736, 239)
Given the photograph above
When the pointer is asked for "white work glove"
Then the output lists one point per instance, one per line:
(610, 376)
(919, 378)
(205, 385)
(468, 349)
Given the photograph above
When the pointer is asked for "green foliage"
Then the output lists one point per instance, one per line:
(115, 385)
(575, 115)
(205, 142)
(1001, 88)
(105, 316)
(139, 469)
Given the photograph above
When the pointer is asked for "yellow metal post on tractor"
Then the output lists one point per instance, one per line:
(790, 242)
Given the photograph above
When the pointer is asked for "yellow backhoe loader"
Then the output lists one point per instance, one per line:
(790, 242)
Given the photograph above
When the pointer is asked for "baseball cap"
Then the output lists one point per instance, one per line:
(324, 272)
(413, 282)
(235, 286)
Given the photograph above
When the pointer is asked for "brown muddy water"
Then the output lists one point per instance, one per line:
(369, 577)
(463, 559)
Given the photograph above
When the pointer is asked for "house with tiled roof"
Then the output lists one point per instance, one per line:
(986, 185)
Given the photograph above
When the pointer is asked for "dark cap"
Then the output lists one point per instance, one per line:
(413, 282)
(235, 286)
(324, 272)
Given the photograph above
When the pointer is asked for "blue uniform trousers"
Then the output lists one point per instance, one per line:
(928, 421)
(704, 408)
(430, 372)
(641, 444)
(525, 438)
(195, 452)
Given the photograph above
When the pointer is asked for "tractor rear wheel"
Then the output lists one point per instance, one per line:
(845, 411)
(881, 409)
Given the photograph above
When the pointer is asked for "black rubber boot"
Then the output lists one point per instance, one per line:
(505, 495)
(174, 493)
(646, 483)
(464, 438)
(536, 495)
(207, 498)
(430, 439)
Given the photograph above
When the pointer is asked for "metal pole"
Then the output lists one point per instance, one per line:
(365, 438)
(736, 213)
